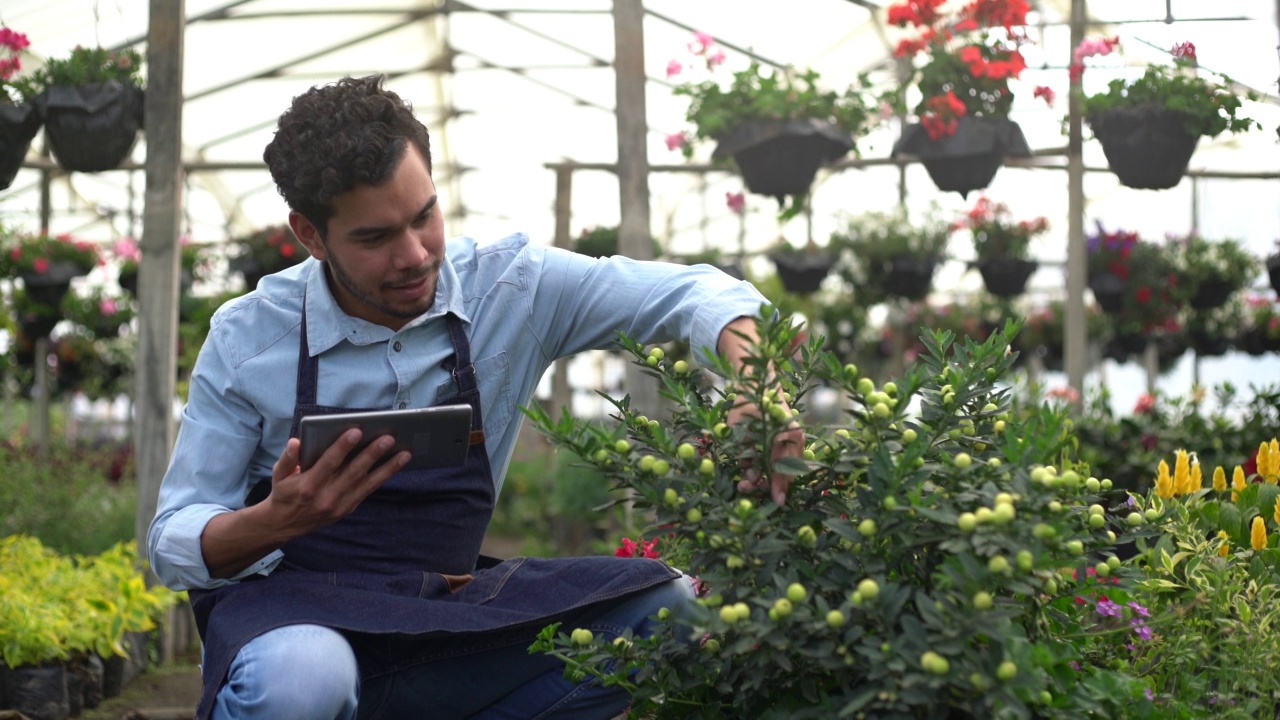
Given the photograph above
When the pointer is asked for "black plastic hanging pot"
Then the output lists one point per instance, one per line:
(1006, 277)
(1148, 147)
(92, 127)
(1273, 271)
(781, 157)
(1109, 290)
(18, 125)
(909, 277)
(1210, 293)
(968, 159)
(1207, 344)
(802, 272)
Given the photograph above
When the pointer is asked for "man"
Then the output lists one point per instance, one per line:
(353, 589)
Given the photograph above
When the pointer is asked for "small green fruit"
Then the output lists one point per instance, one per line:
(963, 460)
(1075, 547)
(909, 436)
(671, 497)
(1007, 670)
(782, 607)
(867, 528)
(806, 536)
(851, 370)
(865, 386)
(694, 515)
(1097, 521)
(982, 600)
(1025, 560)
(835, 619)
(686, 451)
(869, 589)
(1003, 514)
(881, 411)
(1092, 484)
(657, 353)
(796, 593)
(1152, 514)
(712, 645)
(891, 388)
(1114, 562)
(581, 637)
(621, 446)
(999, 565)
(681, 367)
(661, 467)
(967, 521)
(707, 467)
(1134, 519)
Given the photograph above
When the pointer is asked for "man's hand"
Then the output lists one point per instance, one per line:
(299, 503)
(735, 343)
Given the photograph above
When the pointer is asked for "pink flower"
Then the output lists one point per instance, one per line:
(1184, 51)
(107, 307)
(1145, 404)
(674, 68)
(40, 265)
(675, 141)
(1045, 92)
(1095, 46)
(736, 201)
(715, 59)
(701, 43)
(1065, 392)
(15, 41)
(126, 248)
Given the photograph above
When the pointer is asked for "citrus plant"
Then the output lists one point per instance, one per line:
(912, 572)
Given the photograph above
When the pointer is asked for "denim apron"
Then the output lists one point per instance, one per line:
(407, 562)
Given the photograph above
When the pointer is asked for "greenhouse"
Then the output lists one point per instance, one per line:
(930, 347)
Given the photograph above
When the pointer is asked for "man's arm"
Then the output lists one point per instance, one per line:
(736, 340)
(299, 502)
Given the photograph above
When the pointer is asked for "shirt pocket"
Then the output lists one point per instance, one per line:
(493, 375)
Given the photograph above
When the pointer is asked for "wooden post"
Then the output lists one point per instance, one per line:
(40, 423)
(158, 269)
(1076, 328)
(634, 233)
(561, 393)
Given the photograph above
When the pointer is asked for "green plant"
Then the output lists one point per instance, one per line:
(994, 233)
(97, 312)
(1147, 279)
(268, 250)
(971, 54)
(1208, 108)
(866, 245)
(1203, 265)
(34, 254)
(756, 94)
(92, 65)
(602, 241)
(909, 573)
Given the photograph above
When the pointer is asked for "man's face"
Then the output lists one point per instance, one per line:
(384, 247)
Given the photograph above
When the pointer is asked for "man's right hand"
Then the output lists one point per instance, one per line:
(299, 503)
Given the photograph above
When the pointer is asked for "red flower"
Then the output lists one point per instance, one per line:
(40, 265)
(1184, 51)
(1045, 92)
(646, 549)
(1144, 295)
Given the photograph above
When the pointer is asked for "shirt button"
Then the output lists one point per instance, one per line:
(404, 405)
(396, 347)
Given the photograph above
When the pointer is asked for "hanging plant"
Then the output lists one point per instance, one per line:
(266, 251)
(1149, 126)
(778, 126)
(963, 131)
(886, 256)
(46, 264)
(1133, 279)
(92, 103)
(1210, 272)
(20, 119)
(1001, 246)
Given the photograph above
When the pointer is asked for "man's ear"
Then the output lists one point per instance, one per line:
(308, 235)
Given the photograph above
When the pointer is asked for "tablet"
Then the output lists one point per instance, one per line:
(436, 436)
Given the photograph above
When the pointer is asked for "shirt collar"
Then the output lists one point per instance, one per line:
(328, 324)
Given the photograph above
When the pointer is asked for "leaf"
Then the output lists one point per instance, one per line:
(1229, 519)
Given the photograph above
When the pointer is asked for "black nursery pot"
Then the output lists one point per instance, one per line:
(38, 692)
(1109, 291)
(909, 277)
(18, 126)
(1006, 277)
(1273, 271)
(967, 160)
(781, 157)
(802, 273)
(92, 127)
(1211, 293)
(1147, 147)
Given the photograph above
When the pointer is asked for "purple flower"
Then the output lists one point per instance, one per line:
(1150, 695)
(1139, 610)
(1131, 502)
(1108, 608)
(1141, 630)
(1075, 665)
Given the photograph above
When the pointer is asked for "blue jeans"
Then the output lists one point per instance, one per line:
(309, 672)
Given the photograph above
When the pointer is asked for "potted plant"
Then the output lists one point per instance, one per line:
(97, 312)
(1273, 268)
(1149, 126)
(46, 264)
(92, 103)
(1132, 279)
(931, 537)
(20, 119)
(778, 126)
(602, 241)
(1001, 246)
(1211, 271)
(266, 251)
(127, 252)
(801, 270)
(886, 255)
(1211, 332)
(1262, 329)
(964, 131)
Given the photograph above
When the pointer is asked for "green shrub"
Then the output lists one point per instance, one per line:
(913, 573)
(68, 499)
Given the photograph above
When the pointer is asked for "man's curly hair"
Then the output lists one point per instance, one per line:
(336, 137)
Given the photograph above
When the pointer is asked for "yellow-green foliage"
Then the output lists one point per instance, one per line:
(52, 606)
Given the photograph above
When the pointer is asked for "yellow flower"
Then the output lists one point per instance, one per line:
(1258, 534)
(1237, 482)
(1197, 480)
(1164, 483)
(1269, 461)
(1181, 472)
(1219, 479)
(1225, 547)
(1276, 514)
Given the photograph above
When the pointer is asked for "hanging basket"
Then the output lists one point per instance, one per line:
(92, 127)
(781, 157)
(49, 287)
(1273, 271)
(1206, 344)
(1210, 293)
(968, 159)
(1006, 277)
(1148, 148)
(802, 272)
(909, 277)
(18, 125)
(1108, 290)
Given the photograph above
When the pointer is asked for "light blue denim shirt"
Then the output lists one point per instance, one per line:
(523, 305)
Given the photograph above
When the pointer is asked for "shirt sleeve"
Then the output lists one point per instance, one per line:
(207, 474)
(581, 303)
